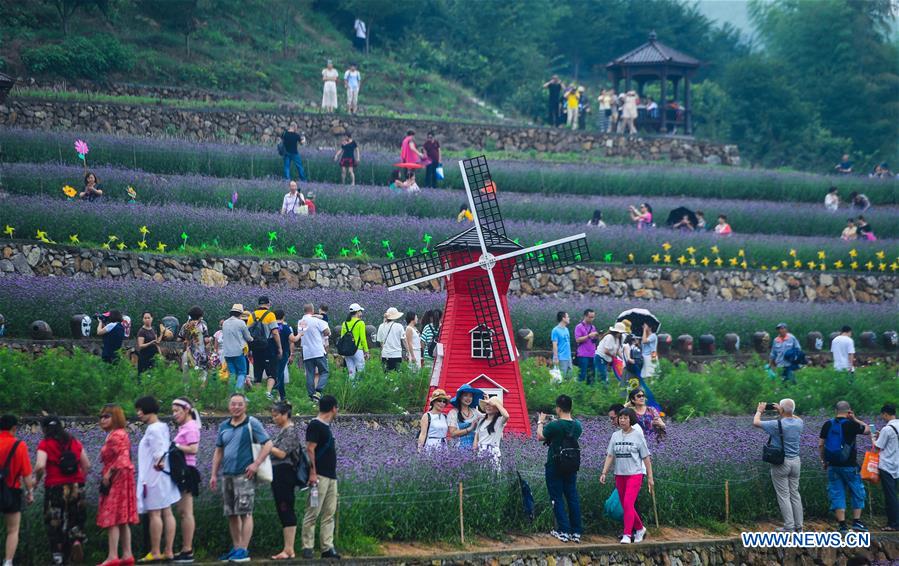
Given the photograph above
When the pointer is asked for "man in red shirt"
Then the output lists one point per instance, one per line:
(15, 463)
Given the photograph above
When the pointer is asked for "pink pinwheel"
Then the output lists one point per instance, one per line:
(81, 148)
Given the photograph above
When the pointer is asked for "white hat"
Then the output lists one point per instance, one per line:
(392, 314)
(356, 307)
(619, 327)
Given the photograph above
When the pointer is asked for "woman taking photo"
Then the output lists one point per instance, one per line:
(92, 188)
(412, 340)
(147, 343)
(62, 461)
(629, 453)
(649, 418)
(433, 424)
(117, 509)
(187, 440)
(113, 333)
(489, 433)
(642, 217)
(156, 492)
(285, 456)
(464, 419)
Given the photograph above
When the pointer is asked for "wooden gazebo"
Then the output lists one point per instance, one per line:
(655, 61)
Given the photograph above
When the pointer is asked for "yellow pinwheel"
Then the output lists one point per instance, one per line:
(142, 245)
(838, 264)
(121, 246)
(630, 257)
(715, 250)
(719, 261)
(74, 239)
(160, 247)
(705, 261)
(733, 262)
(821, 254)
(853, 253)
(9, 230)
(882, 266)
(743, 264)
(880, 255)
(666, 246)
(811, 265)
(741, 253)
(797, 264)
(785, 263)
(691, 250)
(69, 191)
(682, 260)
(667, 258)
(870, 265)
(41, 235)
(792, 253)
(692, 261)
(656, 258)
(854, 265)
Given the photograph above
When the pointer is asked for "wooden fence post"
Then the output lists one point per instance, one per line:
(727, 501)
(461, 514)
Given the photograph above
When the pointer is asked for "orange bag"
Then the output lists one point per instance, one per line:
(869, 467)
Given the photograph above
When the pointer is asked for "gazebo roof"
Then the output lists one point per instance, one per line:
(654, 53)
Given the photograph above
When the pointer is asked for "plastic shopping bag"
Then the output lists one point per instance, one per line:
(439, 172)
(869, 467)
(612, 507)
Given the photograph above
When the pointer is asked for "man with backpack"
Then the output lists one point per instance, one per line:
(785, 353)
(266, 344)
(15, 470)
(888, 467)
(563, 460)
(312, 332)
(838, 455)
(353, 344)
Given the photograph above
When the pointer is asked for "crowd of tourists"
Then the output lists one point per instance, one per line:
(164, 481)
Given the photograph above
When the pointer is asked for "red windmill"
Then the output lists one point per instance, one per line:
(475, 345)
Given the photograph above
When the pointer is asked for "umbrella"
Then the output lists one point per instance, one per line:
(638, 318)
(527, 498)
(409, 165)
(677, 215)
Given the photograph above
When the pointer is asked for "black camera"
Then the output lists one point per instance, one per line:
(769, 406)
(100, 316)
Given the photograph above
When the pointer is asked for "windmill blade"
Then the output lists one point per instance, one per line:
(549, 256)
(482, 194)
(488, 313)
(413, 270)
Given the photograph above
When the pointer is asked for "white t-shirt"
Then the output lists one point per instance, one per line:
(390, 336)
(311, 330)
(831, 202)
(888, 443)
(608, 344)
(486, 439)
(359, 26)
(841, 347)
(292, 203)
(352, 79)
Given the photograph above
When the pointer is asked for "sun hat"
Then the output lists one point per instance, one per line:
(437, 395)
(476, 396)
(495, 401)
(236, 307)
(355, 307)
(619, 327)
(393, 314)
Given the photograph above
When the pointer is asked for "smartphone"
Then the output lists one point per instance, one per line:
(769, 407)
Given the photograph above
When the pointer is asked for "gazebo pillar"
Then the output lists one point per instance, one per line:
(627, 79)
(663, 110)
(688, 110)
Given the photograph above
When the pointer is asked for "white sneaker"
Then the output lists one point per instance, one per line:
(639, 534)
(625, 539)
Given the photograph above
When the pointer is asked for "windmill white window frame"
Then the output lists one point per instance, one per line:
(496, 391)
(481, 346)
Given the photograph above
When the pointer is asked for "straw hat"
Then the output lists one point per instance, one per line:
(392, 314)
(237, 307)
(495, 401)
(619, 327)
(437, 395)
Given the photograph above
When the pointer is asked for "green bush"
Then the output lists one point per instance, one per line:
(80, 58)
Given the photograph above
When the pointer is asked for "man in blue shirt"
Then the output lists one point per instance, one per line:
(233, 456)
(783, 343)
(561, 339)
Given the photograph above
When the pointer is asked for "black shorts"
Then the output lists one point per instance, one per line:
(264, 360)
(193, 482)
(391, 364)
(15, 502)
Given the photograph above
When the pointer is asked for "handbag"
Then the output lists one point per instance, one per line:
(612, 507)
(771, 454)
(264, 472)
(870, 464)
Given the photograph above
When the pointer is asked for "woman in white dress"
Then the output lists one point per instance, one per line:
(629, 112)
(156, 492)
(434, 426)
(413, 341)
(329, 93)
(489, 433)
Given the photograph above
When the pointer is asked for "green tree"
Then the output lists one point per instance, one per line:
(180, 16)
(65, 9)
(839, 54)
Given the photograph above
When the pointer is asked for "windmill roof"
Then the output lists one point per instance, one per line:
(654, 52)
(469, 239)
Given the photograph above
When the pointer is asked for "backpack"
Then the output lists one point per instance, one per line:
(281, 150)
(178, 469)
(68, 462)
(7, 493)
(257, 331)
(836, 451)
(567, 459)
(346, 345)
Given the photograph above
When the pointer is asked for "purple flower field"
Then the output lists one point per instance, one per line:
(757, 217)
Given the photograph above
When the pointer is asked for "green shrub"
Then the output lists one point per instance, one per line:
(80, 57)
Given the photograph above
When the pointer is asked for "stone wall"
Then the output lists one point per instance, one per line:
(19, 258)
(264, 127)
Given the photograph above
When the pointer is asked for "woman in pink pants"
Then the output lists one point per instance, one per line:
(630, 454)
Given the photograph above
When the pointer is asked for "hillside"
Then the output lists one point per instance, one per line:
(266, 50)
